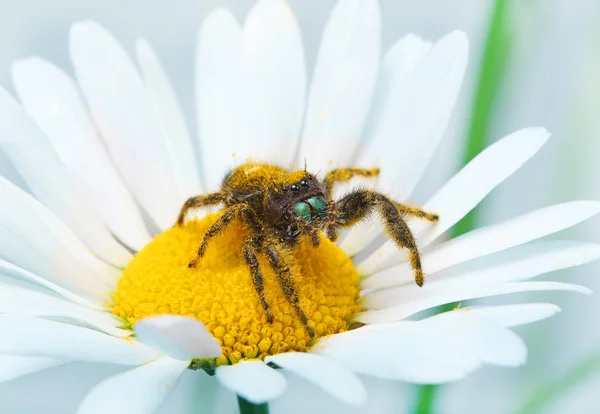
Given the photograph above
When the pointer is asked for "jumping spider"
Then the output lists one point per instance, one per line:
(280, 206)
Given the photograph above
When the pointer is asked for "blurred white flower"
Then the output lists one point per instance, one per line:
(101, 153)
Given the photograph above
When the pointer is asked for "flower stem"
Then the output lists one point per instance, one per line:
(492, 70)
(246, 407)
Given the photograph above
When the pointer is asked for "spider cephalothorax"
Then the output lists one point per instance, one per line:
(281, 206)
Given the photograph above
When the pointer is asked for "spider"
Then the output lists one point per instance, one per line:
(281, 206)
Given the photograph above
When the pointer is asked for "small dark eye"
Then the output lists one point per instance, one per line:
(295, 187)
(304, 183)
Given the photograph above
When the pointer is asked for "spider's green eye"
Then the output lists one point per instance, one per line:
(304, 183)
(295, 187)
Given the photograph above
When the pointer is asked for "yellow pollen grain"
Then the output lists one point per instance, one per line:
(220, 293)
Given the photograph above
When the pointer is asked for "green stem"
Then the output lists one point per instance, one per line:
(425, 399)
(246, 407)
(493, 67)
(551, 391)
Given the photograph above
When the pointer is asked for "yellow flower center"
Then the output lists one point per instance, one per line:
(220, 293)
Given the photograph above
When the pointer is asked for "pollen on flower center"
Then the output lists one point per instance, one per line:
(220, 293)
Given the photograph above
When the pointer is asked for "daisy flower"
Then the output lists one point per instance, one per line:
(109, 160)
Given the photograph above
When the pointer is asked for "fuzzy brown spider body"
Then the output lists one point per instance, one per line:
(280, 207)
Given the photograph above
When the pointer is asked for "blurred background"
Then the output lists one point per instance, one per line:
(543, 69)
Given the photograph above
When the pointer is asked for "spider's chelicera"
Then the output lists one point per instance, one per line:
(281, 206)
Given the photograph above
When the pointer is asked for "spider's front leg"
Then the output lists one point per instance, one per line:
(199, 201)
(249, 251)
(277, 259)
(359, 204)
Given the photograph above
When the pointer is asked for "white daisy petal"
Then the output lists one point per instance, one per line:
(36, 240)
(397, 69)
(412, 124)
(342, 85)
(17, 300)
(141, 390)
(488, 169)
(26, 336)
(516, 315)
(16, 366)
(123, 111)
(484, 241)
(12, 270)
(274, 79)
(219, 60)
(494, 344)
(439, 349)
(328, 374)
(252, 380)
(395, 76)
(179, 337)
(52, 98)
(179, 144)
(35, 160)
(404, 351)
(521, 264)
(467, 188)
(402, 311)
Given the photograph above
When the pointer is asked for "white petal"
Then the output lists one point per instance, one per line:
(495, 344)
(122, 109)
(179, 337)
(141, 390)
(35, 160)
(521, 264)
(36, 240)
(417, 113)
(395, 76)
(327, 373)
(274, 80)
(439, 349)
(52, 98)
(516, 315)
(404, 351)
(178, 141)
(17, 300)
(397, 69)
(399, 312)
(342, 85)
(485, 240)
(22, 274)
(219, 60)
(16, 366)
(25, 336)
(252, 380)
(467, 188)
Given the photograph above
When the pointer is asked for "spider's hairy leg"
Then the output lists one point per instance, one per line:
(286, 279)
(345, 174)
(359, 204)
(228, 216)
(199, 201)
(251, 260)
(417, 212)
